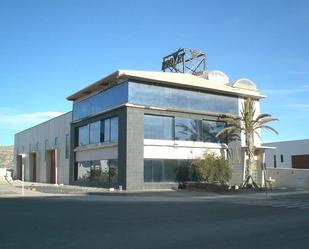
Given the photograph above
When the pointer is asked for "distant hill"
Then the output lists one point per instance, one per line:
(6, 156)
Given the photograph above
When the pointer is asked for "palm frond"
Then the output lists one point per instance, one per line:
(265, 121)
(227, 130)
(266, 127)
(258, 134)
(262, 116)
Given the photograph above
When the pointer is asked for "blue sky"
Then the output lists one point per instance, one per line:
(50, 49)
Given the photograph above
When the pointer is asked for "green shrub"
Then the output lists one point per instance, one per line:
(212, 168)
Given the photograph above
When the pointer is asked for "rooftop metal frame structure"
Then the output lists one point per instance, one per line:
(185, 60)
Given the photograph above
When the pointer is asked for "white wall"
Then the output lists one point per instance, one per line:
(25, 143)
(287, 149)
(289, 178)
(92, 152)
(166, 149)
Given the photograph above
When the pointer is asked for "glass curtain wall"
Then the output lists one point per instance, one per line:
(103, 131)
(183, 129)
(180, 99)
(153, 95)
(104, 100)
(163, 170)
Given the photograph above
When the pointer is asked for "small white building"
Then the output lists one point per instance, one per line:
(288, 154)
(288, 163)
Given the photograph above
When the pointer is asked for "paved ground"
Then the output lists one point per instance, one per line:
(153, 220)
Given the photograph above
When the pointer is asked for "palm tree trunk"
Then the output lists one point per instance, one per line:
(250, 154)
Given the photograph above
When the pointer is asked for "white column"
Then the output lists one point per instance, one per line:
(23, 178)
(263, 170)
(245, 165)
(56, 166)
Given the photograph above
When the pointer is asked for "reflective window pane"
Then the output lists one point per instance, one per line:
(114, 129)
(172, 98)
(83, 135)
(84, 170)
(187, 129)
(152, 95)
(170, 167)
(113, 172)
(157, 166)
(147, 170)
(158, 127)
(163, 170)
(95, 132)
(104, 100)
(107, 125)
(99, 173)
(210, 131)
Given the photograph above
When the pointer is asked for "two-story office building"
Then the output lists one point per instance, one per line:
(134, 128)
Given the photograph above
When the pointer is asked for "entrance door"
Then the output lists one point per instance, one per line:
(19, 168)
(52, 167)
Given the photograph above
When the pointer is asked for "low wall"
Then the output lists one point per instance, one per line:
(290, 178)
(5, 175)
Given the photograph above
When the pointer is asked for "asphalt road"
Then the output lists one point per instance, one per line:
(103, 222)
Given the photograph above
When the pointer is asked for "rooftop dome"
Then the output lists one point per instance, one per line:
(218, 77)
(245, 84)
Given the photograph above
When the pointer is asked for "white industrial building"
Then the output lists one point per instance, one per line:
(44, 150)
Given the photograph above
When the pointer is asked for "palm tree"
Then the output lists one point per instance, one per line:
(250, 126)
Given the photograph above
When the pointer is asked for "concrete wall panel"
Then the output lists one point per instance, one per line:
(33, 141)
(289, 178)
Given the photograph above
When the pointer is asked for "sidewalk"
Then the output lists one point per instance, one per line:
(43, 189)
(10, 191)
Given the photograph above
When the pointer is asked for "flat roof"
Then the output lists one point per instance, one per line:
(169, 79)
(45, 122)
(288, 141)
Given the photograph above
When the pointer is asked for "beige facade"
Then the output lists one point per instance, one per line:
(289, 178)
(34, 149)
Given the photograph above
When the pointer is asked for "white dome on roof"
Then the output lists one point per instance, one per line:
(218, 77)
(245, 84)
